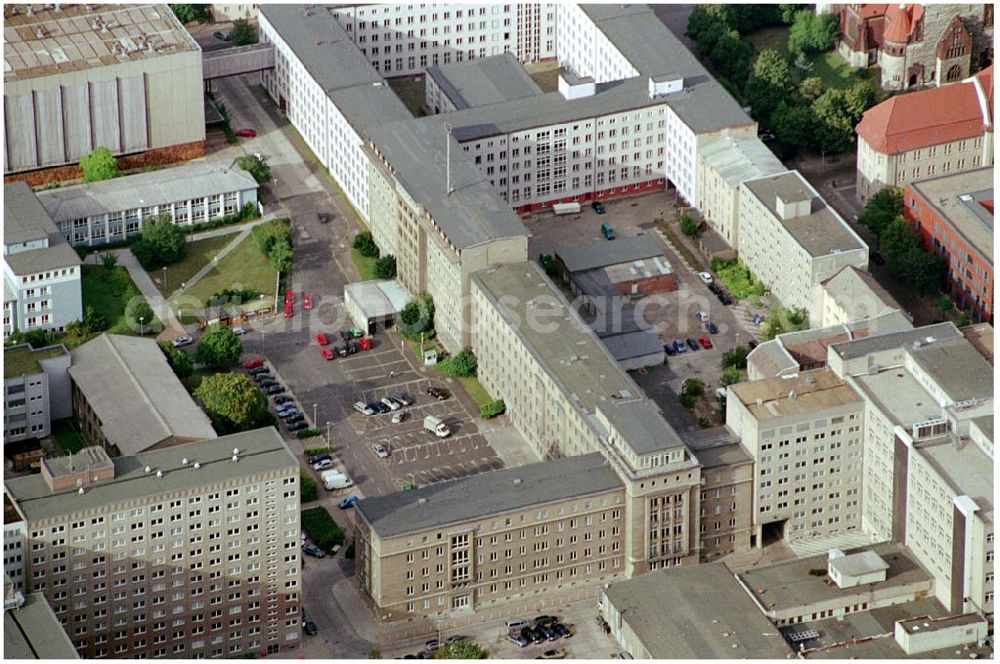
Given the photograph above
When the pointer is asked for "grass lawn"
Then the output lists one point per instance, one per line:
(244, 267)
(199, 254)
(66, 436)
(738, 279)
(476, 390)
(321, 528)
(410, 91)
(108, 292)
(364, 265)
(830, 67)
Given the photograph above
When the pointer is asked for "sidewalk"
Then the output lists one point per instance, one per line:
(172, 327)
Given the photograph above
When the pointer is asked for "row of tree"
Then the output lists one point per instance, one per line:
(385, 266)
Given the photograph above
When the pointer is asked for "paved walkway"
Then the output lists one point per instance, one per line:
(172, 327)
(241, 232)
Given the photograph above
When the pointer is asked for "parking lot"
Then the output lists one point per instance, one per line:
(675, 315)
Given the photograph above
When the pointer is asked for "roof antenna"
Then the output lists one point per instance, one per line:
(447, 128)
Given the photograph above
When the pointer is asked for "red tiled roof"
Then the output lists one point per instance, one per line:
(901, 19)
(986, 80)
(927, 117)
(873, 11)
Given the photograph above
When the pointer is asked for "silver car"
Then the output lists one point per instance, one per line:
(363, 408)
(391, 403)
(381, 450)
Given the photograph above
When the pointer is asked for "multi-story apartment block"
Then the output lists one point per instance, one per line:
(723, 163)
(792, 240)
(852, 295)
(114, 210)
(191, 551)
(805, 435)
(914, 44)
(127, 399)
(474, 542)
(401, 40)
(954, 216)
(926, 133)
(41, 272)
(35, 390)
(15, 549)
(80, 77)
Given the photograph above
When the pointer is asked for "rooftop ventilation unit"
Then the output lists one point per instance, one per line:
(159, 474)
(147, 469)
(196, 465)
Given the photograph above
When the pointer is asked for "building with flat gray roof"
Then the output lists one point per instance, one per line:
(114, 210)
(36, 390)
(373, 305)
(697, 612)
(127, 399)
(476, 83)
(238, 493)
(41, 272)
(31, 630)
(853, 295)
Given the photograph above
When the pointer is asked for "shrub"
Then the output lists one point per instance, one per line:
(687, 400)
(491, 409)
(243, 33)
(321, 528)
(735, 357)
(160, 243)
(233, 403)
(307, 433)
(313, 451)
(109, 260)
(417, 317)
(385, 267)
(462, 365)
(99, 165)
(178, 360)
(689, 226)
(365, 245)
(260, 171)
(307, 488)
(693, 387)
(731, 375)
(270, 232)
(219, 348)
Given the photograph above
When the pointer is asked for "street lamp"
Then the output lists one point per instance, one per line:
(329, 442)
(314, 414)
(164, 278)
(142, 320)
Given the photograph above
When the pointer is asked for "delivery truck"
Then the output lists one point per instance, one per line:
(437, 426)
(335, 479)
(566, 208)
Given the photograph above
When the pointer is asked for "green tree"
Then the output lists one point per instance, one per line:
(267, 234)
(218, 348)
(835, 129)
(161, 242)
(142, 316)
(811, 88)
(93, 321)
(944, 304)
(233, 402)
(99, 165)
(693, 387)
(803, 65)
(462, 365)
(964, 320)
(794, 125)
(773, 325)
(109, 259)
(178, 360)
(260, 171)
(881, 210)
(365, 245)
(188, 13)
(787, 13)
(280, 255)
(385, 267)
(812, 33)
(417, 316)
(242, 33)
(307, 488)
(731, 375)
(769, 82)
(735, 357)
(464, 649)
(731, 57)
(689, 226)
(799, 318)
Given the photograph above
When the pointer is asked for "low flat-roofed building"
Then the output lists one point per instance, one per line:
(466, 524)
(373, 305)
(36, 390)
(115, 210)
(919, 635)
(792, 240)
(127, 399)
(30, 628)
(698, 612)
(853, 294)
(791, 592)
(630, 266)
(480, 82)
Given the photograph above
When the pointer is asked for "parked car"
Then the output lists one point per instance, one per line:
(456, 638)
(267, 382)
(433, 644)
(282, 398)
(705, 342)
(402, 398)
(398, 417)
(289, 311)
(307, 301)
(316, 458)
(706, 278)
(259, 369)
(365, 343)
(545, 620)
(713, 328)
(261, 377)
(438, 393)
(296, 426)
(294, 417)
(534, 635)
(363, 408)
(381, 450)
(327, 354)
(758, 319)
(321, 339)
(607, 232)
(562, 630)
(518, 640)
(246, 132)
(679, 346)
(391, 403)
(275, 389)
(692, 344)
(289, 297)
(547, 631)
(239, 331)
(254, 363)
(703, 316)
(349, 348)
(312, 550)
(555, 653)
(379, 407)
(182, 341)
(219, 34)
(516, 623)
(288, 413)
(287, 404)
(669, 349)
(724, 298)
(309, 627)
(350, 501)
(323, 465)
(353, 333)
(598, 207)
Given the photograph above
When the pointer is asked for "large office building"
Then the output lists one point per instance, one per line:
(954, 216)
(115, 210)
(41, 272)
(938, 131)
(792, 240)
(78, 77)
(190, 552)
(36, 390)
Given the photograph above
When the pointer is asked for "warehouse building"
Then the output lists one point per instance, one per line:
(79, 77)
(36, 390)
(630, 266)
(114, 210)
(236, 595)
(41, 272)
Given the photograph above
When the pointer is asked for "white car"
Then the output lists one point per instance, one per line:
(239, 331)
(323, 465)
(363, 408)
(182, 341)
(398, 417)
(703, 316)
(391, 403)
(381, 450)
(706, 278)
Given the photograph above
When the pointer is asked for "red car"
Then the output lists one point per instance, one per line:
(321, 339)
(246, 133)
(289, 297)
(254, 363)
(705, 342)
(307, 301)
(327, 353)
(289, 311)
(365, 343)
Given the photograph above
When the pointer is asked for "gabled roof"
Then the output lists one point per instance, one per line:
(928, 117)
(902, 19)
